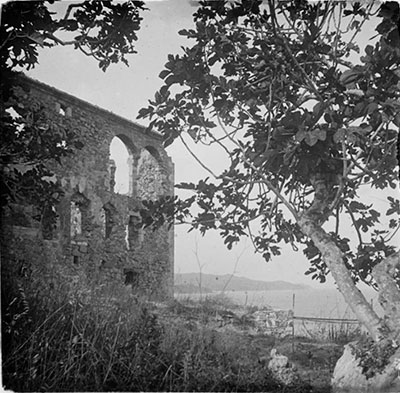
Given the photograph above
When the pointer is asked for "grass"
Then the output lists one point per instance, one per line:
(94, 342)
(105, 339)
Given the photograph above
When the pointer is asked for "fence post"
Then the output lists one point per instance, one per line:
(293, 306)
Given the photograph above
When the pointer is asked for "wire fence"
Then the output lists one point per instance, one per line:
(337, 330)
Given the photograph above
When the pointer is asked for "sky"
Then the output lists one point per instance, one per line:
(124, 90)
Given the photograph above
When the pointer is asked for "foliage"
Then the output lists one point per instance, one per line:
(307, 127)
(31, 137)
(104, 30)
(373, 357)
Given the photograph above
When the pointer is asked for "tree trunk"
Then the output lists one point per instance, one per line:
(333, 258)
(389, 295)
(348, 375)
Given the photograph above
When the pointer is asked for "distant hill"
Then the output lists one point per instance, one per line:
(190, 282)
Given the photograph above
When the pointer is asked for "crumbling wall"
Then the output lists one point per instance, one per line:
(96, 239)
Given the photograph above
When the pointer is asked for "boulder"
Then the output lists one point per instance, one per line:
(282, 370)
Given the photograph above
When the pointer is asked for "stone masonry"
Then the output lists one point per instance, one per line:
(96, 240)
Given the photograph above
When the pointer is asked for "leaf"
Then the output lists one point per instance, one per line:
(267, 256)
(318, 108)
(164, 73)
(193, 133)
(321, 134)
(328, 118)
(393, 223)
(357, 206)
(350, 76)
(173, 79)
(311, 139)
(38, 38)
(310, 270)
(372, 107)
(369, 50)
(354, 25)
(300, 135)
(354, 47)
(361, 108)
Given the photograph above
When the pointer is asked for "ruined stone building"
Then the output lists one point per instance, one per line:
(95, 239)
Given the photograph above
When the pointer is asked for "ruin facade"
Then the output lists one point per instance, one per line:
(96, 239)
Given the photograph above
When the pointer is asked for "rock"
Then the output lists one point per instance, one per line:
(348, 375)
(281, 369)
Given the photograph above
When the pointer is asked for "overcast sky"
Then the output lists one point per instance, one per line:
(124, 90)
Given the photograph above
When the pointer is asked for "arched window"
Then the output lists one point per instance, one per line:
(120, 167)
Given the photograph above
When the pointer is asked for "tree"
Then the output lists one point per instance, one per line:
(105, 31)
(307, 126)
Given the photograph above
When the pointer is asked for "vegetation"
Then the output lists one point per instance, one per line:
(372, 358)
(307, 126)
(104, 340)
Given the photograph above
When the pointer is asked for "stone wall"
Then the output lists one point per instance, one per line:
(96, 240)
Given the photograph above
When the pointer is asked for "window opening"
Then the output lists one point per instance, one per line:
(120, 167)
(76, 219)
(108, 214)
(133, 231)
(127, 237)
(131, 277)
(79, 207)
(111, 170)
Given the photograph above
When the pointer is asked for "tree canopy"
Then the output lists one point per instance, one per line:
(308, 119)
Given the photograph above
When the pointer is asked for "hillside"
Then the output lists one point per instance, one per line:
(189, 282)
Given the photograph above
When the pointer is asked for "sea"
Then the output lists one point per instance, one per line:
(317, 303)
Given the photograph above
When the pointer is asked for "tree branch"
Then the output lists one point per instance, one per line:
(353, 219)
(196, 158)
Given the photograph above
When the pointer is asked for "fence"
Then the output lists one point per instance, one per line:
(285, 322)
(328, 329)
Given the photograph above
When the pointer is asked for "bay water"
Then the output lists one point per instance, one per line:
(312, 302)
